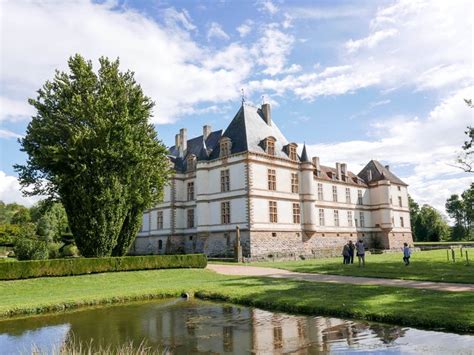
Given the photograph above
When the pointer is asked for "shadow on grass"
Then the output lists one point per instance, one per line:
(453, 311)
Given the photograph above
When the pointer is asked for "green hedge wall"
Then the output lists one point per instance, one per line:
(80, 266)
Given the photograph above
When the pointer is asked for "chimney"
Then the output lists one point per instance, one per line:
(316, 163)
(344, 169)
(369, 175)
(177, 142)
(183, 137)
(206, 131)
(267, 113)
(338, 171)
(387, 167)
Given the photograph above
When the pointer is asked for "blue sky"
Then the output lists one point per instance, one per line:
(355, 80)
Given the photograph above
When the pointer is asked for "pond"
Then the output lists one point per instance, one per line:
(195, 326)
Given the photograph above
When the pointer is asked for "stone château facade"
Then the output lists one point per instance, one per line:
(249, 176)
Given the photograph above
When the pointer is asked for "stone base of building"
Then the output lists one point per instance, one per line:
(267, 245)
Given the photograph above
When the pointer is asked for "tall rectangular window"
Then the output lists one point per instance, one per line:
(191, 218)
(321, 217)
(296, 213)
(350, 223)
(159, 220)
(400, 201)
(272, 209)
(271, 179)
(402, 224)
(334, 193)
(348, 195)
(336, 218)
(292, 152)
(320, 192)
(359, 197)
(190, 191)
(294, 183)
(225, 180)
(225, 212)
(270, 147)
(362, 219)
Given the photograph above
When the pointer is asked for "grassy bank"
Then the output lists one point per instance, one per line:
(425, 265)
(403, 306)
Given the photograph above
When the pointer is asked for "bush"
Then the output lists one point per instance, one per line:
(53, 250)
(70, 250)
(29, 249)
(80, 266)
(9, 233)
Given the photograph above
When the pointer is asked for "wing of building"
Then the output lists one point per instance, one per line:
(250, 176)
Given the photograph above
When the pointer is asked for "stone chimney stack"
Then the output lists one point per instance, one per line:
(338, 171)
(387, 167)
(267, 113)
(206, 131)
(183, 137)
(316, 163)
(177, 142)
(344, 169)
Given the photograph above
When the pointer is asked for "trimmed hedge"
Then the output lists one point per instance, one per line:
(80, 266)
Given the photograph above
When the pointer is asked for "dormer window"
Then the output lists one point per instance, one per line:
(191, 163)
(270, 145)
(291, 151)
(225, 146)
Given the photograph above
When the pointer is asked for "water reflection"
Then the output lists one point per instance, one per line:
(186, 327)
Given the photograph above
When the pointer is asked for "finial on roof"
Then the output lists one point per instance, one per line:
(304, 154)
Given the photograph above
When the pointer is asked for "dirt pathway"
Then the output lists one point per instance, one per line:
(239, 270)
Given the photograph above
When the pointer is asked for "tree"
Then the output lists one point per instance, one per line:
(430, 225)
(90, 146)
(465, 159)
(461, 210)
(22, 216)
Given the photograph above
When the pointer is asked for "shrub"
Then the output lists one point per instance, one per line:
(70, 250)
(80, 266)
(29, 249)
(8, 233)
(53, 250)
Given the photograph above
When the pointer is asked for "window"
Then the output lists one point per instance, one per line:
(400, 201)
(320, 192)
(270, 146)
(399, 189)
(294, 183)
(190, 191)
(272, 207)
(159, 220)
(225, 146)
(402, 224)
(225, 180)
(296, 213)
(191, 218)
(336, 218)
(321, 217)
(271, 179)
(349, 219)
(292, 152)
(225, 212)
(191, 163)
(359, 197)
(348, 195)
(362, 219)
(334, 193)
(160, 244)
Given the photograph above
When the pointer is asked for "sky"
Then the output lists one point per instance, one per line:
(353, 80)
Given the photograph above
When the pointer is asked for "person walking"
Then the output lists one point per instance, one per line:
(345, 254)
(360, 252)
(406, 254)
(351, 252)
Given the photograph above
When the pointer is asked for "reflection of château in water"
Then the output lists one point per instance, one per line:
(192, 327)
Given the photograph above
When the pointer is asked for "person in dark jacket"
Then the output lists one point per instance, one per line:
(351, 251)
(346, 254)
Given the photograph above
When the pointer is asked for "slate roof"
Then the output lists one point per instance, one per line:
(379, 172)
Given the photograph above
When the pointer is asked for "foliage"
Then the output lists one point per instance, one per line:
(461, 210)
(90, 146)
(8, 210)
(9, 233)
(465, 159)
(30, 249)
(54, 250)
(70, 250)
(427, 223)
(79, 266)
(21, 217)
(53, 223)
(395, 305)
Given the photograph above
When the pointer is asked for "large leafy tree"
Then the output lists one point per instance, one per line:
(427, 223)
(90, 146)
(465, 159)
(461, 210)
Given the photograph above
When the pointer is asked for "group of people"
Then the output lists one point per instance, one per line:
(359, 247)
(350, 248)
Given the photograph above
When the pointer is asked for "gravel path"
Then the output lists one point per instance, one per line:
(285, 274)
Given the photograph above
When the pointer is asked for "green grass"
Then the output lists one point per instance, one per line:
(411, 307)
(442, 243)
(425, 265)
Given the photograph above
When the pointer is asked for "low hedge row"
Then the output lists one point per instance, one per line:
(80, 266)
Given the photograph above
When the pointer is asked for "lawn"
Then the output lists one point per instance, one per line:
(425, 265)
(411, 307)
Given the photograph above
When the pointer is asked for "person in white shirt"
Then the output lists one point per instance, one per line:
(406, 254)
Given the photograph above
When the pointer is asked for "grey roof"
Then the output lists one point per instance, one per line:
(379, 172)
(304, 155)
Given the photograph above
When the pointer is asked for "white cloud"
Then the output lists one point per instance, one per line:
(272, 49)
(370, 41)
(427, 147)
(14, 109)
(216, 31)
(245, 28)
(268, 6)
(10, 191)
(5, 133)
(325, 13)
